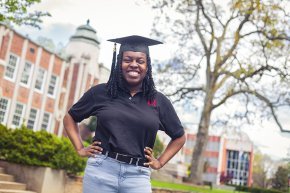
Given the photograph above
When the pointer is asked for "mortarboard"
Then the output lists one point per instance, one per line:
(135, 43)
(132, 43)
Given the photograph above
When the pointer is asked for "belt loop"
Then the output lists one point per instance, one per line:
(137, 161)
(107, 153)
(117, 156)
(131, 159)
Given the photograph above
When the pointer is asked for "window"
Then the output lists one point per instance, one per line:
(3, 110)
(238, 164)
(32, 50)
(18, 115)
(52, 84)
(26, 74)
(40, 79)
(32, 118)
(45, 121)
(10, 71)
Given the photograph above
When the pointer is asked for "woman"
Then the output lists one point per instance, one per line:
(129, 113)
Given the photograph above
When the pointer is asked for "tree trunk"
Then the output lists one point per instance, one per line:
(201, 142)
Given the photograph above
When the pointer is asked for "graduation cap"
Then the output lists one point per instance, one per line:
(133, 43)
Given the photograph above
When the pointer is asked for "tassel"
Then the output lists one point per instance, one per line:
(113, 61)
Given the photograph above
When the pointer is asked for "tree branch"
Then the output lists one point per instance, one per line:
(237, 36)
(184, 90)
(232, 93)
(197, 27)
(211, 27)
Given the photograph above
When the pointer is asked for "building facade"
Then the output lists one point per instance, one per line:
(38, 86)
(228, 158)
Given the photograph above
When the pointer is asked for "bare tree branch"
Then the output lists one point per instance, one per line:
(211, 27)
(237, 36)
(232, 93)
(184, 90)
(197, 27)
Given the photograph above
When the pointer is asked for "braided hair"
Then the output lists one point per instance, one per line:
(116, 80)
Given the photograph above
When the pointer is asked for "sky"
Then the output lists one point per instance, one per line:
(110, 18)
(118, 18)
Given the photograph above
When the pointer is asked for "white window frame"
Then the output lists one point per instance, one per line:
(43, 80)
(21, 116)
(6, 111)
(55, 86)
(35, 120)
(48, 123)
(15, 69)
(29, 74)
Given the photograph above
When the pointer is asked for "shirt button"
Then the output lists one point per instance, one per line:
(130, 98)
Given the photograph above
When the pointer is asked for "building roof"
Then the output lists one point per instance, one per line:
(32, 41)
(86, 33)
(237, 135)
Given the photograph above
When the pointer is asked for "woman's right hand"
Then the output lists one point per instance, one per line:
(91, 150)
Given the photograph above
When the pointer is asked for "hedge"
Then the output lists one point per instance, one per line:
(40, 148)
(256, 190)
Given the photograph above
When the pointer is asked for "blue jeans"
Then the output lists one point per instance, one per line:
(106, 175)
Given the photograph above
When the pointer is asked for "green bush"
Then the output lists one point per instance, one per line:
(256, 190)
(24, 146)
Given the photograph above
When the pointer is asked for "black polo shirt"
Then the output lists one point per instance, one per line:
(127, 124)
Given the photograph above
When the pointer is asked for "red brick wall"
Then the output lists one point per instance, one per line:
(250, 178)
(187, 151)
(31, 52)
(44, 61)
(2, 68)
(57, 66)
(36, 100)
(4, 46)
(7, 88)
(17, 44)
(88, 83)
(56, 127)
(191, 137)
(23, 95)
(211, 154)
(214, 138)
(96, 81)
(65, 78)
(210, 138)
(72, 89)
(211, 170)
(49, 107)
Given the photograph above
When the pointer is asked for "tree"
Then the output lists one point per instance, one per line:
(280, 181)
(263, 167)
(46, 43)
(158, 147)
(13, 11)
(228, 54)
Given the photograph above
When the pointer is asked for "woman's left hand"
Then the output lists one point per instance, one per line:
(152, 161)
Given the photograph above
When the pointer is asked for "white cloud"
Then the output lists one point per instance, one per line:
(110, 18)
(58, 32)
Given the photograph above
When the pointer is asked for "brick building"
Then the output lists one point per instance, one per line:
(37, 86)
(226, 156)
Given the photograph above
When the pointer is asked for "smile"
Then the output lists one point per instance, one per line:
(133, 73)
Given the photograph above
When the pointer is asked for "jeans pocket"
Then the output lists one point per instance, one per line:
(144, 170)
(96, 160)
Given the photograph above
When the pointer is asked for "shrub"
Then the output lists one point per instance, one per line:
(24, 146)
(256, 190)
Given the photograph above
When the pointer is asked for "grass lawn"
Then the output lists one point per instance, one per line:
(185, 187)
